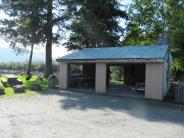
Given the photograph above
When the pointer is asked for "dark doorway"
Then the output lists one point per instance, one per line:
(82, 76)
(126, 79)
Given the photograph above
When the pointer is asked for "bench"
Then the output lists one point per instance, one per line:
(140, 87)
(1, 90)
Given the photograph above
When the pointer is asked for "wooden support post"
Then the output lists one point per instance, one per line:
(100, 79)
(63, 75)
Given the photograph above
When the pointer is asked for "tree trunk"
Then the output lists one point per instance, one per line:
(48, 62)
(30, 62)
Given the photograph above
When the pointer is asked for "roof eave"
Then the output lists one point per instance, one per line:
(111, 60)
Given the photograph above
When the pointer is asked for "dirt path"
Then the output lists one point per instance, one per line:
(76, 115)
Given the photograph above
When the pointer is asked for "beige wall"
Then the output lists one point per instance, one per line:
(154, 81)
(63, 75)
(165, 78)
(100, 78)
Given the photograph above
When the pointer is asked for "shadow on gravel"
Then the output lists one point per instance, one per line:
(140, 108)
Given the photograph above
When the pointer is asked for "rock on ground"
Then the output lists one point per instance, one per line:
(35, 87)
(1, 90)
(18, 88)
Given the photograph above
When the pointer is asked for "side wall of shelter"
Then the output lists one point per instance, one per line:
(156, 80)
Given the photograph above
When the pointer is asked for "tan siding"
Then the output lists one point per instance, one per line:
(63, 73)
(165, 78)
(100, 79)
(154, 81)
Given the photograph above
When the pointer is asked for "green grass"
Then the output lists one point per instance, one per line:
(116, 82)
(10, 92)
(34, 79)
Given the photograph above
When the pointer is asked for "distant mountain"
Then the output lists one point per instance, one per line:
(8, 55)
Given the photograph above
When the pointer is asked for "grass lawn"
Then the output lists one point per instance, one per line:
(116, 82)
(9, 90)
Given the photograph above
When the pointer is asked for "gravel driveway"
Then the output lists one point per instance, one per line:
(61, 114)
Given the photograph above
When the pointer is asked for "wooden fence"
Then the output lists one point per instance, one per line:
(179, 95)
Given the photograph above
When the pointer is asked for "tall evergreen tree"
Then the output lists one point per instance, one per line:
(21, 29)
(36, 19)
(95, 23)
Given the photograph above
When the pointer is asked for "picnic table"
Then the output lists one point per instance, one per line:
(13, 80)
(84, 81)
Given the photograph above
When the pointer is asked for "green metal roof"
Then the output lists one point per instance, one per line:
(123, 52)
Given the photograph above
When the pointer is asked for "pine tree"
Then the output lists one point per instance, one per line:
(31, 22)
(95, 24)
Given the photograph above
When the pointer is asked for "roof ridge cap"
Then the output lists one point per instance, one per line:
(155, 45)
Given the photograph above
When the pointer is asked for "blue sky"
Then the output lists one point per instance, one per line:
(8, 55)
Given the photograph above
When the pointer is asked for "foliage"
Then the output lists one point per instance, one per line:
(116, 82)
(34, 79)
(176, 23)
(116, 73)
(177, 69)
(148, 20)
(22, 66)
(32, 21)
(22, 26)
(176, 33)
(94, 23)
(9, 90)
